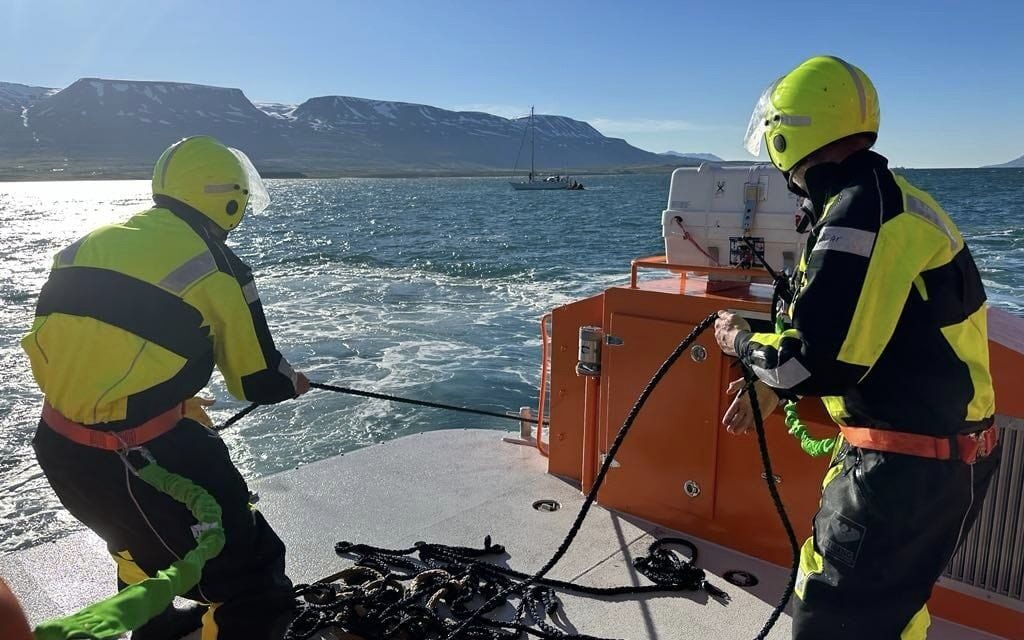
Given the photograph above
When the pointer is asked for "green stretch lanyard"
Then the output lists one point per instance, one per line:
(812, 446)
(137, 604)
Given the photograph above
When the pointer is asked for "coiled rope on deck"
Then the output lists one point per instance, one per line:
(470, 627)
(424, 591)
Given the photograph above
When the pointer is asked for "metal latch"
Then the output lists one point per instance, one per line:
(588, 362)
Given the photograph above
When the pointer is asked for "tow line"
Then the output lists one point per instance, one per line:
(390, 398)
(522, 587)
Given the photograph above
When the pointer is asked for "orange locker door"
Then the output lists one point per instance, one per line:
(666, 468)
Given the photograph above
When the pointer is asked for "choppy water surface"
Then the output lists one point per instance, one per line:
(430, 288)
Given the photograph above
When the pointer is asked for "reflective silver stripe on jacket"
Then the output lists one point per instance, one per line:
(786, 376)
(845, 239)
(66, 257)
(286, 369)
(918, 207)
(250, 292)
(182, 278)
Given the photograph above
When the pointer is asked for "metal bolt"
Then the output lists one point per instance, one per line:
(691, 488)
(698, 353)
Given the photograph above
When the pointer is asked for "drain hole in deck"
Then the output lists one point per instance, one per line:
(740, 578)
(547, 506)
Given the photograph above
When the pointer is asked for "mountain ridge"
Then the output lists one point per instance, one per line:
(1012, 164)
(695, 156)
(113, 126)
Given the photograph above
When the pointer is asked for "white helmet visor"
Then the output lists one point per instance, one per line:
(259, 199)
(763, 111)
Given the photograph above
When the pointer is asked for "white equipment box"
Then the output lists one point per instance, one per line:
(719, 215)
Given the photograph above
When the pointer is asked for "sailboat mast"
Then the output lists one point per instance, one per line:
(532, 135)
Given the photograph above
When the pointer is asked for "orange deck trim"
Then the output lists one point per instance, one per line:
(969, 611)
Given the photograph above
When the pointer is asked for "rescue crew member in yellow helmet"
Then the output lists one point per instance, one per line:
(888, 327)
(128, 328)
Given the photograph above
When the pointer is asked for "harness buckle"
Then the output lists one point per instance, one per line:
(125, 451)
(977, 445)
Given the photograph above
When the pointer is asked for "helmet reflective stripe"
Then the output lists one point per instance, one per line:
(220, 188)
(857, 83)
(796, 121)
(167, 161)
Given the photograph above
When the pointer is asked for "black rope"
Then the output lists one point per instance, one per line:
(423, 591)
(235, 418)
(760, 258)
(599, 480)
(391, 398)
(665, 569)
(773, 489)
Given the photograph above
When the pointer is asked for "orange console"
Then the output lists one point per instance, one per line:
(679, 468)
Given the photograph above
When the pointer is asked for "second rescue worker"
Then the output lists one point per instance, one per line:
(889, 329)
(128, 328)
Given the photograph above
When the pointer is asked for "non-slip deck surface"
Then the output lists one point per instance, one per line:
(454, 487)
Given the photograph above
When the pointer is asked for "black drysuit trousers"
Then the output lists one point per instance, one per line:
(246, 581)
(886, 530)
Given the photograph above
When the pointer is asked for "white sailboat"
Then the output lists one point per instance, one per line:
(535, 183)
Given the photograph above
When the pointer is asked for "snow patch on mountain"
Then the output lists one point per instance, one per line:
(277, 110)
(15, 97)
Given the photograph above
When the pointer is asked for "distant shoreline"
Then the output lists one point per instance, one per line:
(14, 174)
(9, 174)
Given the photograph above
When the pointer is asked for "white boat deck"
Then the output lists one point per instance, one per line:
(454, 487)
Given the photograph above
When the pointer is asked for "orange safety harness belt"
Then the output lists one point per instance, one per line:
(112, 440)
(966, 447)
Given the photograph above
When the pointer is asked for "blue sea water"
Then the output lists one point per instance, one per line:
(429, 288)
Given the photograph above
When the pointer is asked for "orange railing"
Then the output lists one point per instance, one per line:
(659, 262)
(545, 342)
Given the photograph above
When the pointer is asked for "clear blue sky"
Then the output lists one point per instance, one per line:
(669, 74)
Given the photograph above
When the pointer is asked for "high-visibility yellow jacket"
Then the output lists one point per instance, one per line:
(134, 316)
(889, 317)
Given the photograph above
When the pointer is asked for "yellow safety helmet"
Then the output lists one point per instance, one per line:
(216, 180)
(823, 100)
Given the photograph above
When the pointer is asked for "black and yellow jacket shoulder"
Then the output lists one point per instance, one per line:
(134, 316)
(889, 316)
